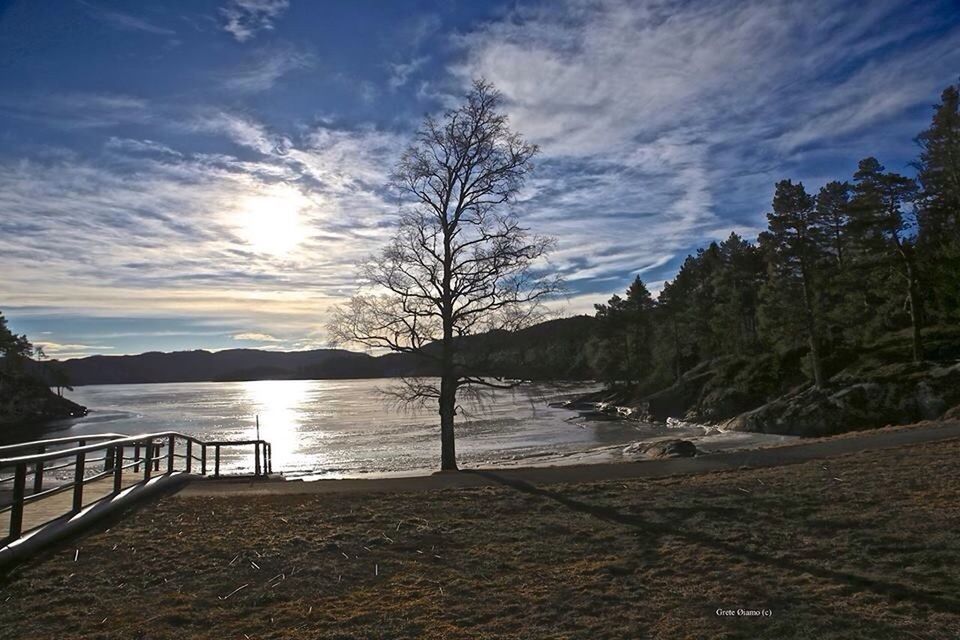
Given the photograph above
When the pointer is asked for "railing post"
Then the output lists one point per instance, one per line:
(108, 458)
(78, 474)
(156, 456)
(16, 511)
(269, 457)
(136, 457)
(256, 458)
(147, 459)
(118, 469)
(173, 447)
(216, 461)
(38, 471)
(189, 455)
(203, 458)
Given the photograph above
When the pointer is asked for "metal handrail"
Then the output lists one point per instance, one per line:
(113, 446)
(121, 441)
(33, 444)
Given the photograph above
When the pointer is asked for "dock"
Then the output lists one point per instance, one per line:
(52, 488)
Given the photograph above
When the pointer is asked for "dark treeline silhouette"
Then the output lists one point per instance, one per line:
(24, 391)
(834, 272)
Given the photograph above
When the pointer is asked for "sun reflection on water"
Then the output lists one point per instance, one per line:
(282, 407)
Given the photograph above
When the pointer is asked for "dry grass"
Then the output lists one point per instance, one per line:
(864, 546)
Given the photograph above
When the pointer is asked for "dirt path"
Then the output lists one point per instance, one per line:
(754, 458)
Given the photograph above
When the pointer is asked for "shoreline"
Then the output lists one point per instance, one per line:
(766, 457)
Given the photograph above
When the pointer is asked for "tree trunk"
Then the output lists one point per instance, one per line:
(448, 408)
(814, 341)
(916, 313)
(448, 377)
(913, 291)
(915, 321)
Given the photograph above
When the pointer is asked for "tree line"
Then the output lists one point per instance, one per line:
(875, 253)
(16, 351)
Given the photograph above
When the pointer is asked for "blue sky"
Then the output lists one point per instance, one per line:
(210, 174)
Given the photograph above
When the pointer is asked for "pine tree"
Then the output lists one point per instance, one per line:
(880, 201)
(938, 173)
(792, 245)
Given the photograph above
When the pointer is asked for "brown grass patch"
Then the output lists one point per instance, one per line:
(863, 546)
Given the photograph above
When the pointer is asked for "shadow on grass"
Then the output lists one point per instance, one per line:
(893, 590)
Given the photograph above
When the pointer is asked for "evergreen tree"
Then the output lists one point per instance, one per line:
(737, 286)
(833, 211)
(627, 329)
(792, 246)
(14, 349)
(880, 200)
(938, 173)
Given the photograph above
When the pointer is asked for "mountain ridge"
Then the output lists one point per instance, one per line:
(531, 352)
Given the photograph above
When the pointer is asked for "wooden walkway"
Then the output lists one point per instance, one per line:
(110, 472)
(40, 512)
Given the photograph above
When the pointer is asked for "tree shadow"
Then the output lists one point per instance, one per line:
(896, 591)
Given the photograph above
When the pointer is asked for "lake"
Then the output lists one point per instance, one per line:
(349, 428)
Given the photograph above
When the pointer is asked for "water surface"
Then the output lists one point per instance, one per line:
(344, 428)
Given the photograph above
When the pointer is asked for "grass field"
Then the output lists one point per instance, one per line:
(864, 546)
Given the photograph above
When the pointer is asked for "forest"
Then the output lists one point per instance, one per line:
(869, 264)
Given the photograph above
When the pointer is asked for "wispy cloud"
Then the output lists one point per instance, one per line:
(256, 337)
(269, 65)
(181, 237)
(660, 122)
(663, 125)
(400, 72)
(125, 21)
(58, 351)
(244, 18)
(78, 109)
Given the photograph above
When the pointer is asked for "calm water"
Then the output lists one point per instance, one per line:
(337, 428)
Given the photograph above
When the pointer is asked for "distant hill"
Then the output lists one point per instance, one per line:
(551, 349)
(203, 366)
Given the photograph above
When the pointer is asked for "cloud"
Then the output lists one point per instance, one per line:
(58, 351)
(125, 21)
(664, 125)
(256, 337)
(401, 72)
(83, 110)
(269, 66)
(147, 230)
(139, 146)
(244, 18)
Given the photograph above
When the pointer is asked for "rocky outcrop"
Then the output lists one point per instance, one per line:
(25, 400)
(662, 449)
(892, 394)
(709, 393)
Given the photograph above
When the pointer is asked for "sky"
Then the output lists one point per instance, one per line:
(211, 173)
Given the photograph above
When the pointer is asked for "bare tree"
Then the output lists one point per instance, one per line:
(460, 263)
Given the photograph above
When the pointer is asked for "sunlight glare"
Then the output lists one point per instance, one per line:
(280, 405)
(271, 221)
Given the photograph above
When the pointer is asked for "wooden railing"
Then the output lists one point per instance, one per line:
(143, 456)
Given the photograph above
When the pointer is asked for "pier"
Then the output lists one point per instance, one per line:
(51, 488)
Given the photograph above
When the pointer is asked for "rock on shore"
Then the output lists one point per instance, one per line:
(895, 394)
(742, 394)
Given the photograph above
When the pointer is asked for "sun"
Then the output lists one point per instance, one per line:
(271, 221)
